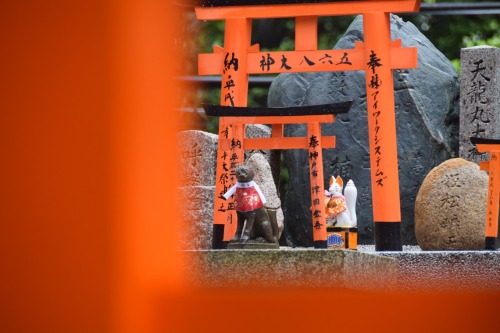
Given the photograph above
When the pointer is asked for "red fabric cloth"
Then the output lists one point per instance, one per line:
(247, 199)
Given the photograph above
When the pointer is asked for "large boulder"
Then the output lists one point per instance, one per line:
(450, 209)
(426, 102)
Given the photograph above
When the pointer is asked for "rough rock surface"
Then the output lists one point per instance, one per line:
(198, 155)
(450, 209)
(196, 227)
(263, 178)
(287, 267)
(272, 156)
(426, 102)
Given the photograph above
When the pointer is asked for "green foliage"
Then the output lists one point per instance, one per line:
(488, 35)
(211, 33)
(451, 33)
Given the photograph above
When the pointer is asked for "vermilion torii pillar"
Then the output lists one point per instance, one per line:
(491, 146)
(377, 56)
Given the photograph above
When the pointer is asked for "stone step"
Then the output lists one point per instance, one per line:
(447, 271)
(410, 270)
(288, 267)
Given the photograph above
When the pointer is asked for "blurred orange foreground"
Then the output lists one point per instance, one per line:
(87, 218)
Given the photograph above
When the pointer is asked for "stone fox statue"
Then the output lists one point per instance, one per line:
(253, 217)
(341, 209)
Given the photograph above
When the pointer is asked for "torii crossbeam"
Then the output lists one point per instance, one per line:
(377, 56)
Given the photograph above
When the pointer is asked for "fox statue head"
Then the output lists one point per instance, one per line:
(336, 185)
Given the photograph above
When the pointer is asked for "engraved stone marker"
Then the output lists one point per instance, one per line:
(479, 98)
(197, 152)
(449, 209)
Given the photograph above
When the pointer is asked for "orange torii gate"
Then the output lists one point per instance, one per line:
(491, 146)
(378, 56)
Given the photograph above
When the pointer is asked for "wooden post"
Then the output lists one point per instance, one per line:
(234, 91)
(492, 204)
(493, 200)
(382, 132)
(317, 185)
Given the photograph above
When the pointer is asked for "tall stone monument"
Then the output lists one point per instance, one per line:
(479, 99)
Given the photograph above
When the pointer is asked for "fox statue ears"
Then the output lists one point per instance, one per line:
(338, 180)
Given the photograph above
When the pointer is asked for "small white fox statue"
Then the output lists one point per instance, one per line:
(341, 209)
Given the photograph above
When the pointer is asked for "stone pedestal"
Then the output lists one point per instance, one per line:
(447, 271)
(289, 268)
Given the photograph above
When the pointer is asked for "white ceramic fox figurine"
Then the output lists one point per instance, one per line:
(341, 209)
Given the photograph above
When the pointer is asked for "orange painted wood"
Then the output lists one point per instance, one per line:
(493, 199)
(234, 92)
(486, 147)
(278, 130)
(306, 33)
(285, 143)
(307, 61)
(484, 165)
(317, 188)
(493, 167)
(381, 119)
(298, 10)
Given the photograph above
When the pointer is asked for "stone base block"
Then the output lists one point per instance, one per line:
(252, 246)
(287, 267)
(447, 271)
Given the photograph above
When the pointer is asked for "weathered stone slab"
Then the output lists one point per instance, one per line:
(447, 271)
(479, 98)
(289, 267)
(196, 164)
(197, 205)
(426, 103)
(450, 209)
(198, 154)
